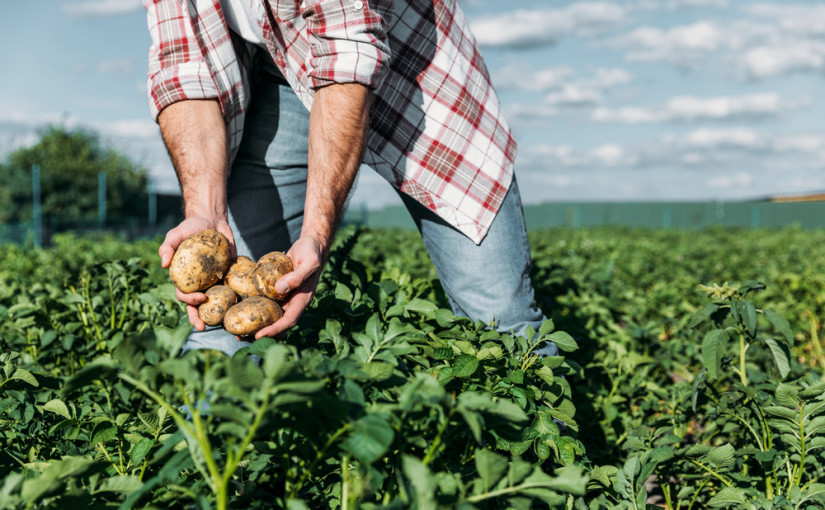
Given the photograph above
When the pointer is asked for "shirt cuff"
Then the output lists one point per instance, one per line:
(352, 49)
(180, 82)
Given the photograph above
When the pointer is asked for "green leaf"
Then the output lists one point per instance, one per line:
(465, 365)
(123, 484)
(814, 492)
(48, 337)
(473, 420)
(702, 314)
(245, 373)
(563, 341)
(490, 466)
(140, 449)
(721, 456)
(748, 316)
(570, 479)
(713, 347)
(57, 406)
(422, 481)
(378, 370)
(421, 306)
(370, 438)
(101, 368)
(104, 432)
(781, 324)
(21, 374)
(727, 497)
(781, 356)
(275, 360)
(546, 327)
(787, 395)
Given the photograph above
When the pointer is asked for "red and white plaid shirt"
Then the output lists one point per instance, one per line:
(437, 131)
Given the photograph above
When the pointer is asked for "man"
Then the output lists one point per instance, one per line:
(293, 96)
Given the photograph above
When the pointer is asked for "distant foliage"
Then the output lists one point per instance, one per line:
(70, 161)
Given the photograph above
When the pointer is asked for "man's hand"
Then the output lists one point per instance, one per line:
(338, 123)
(308, 255)
(189, 226)
(195, 136)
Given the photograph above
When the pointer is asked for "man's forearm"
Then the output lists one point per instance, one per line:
(338, 126)
(195, 137)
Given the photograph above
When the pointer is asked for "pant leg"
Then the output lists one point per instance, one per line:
(489, 281)
(266, 188)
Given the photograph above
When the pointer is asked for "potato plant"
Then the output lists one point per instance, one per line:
(675, 389)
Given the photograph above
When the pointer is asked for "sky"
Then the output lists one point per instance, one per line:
(639, 100)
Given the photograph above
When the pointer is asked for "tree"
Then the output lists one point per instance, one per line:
(70, 161)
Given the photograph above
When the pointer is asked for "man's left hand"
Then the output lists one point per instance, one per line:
(308, 255)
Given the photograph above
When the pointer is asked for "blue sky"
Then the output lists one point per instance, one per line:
(632, 100)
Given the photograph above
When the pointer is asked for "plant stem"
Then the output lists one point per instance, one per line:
(801, 446)
(345, 482)
(712, 472)
(696, 494)
(742, 349)
(437, 440)
(820, 355)
(318, 457)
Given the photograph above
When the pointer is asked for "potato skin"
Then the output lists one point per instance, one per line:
(271, 267)
(239, 277)
(219, 299)
(251, 315)
(278, 258)
(200, 261)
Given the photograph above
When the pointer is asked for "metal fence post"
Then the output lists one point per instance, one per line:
(754, 216)
(37, 209)
(153, 203)
(101, 199)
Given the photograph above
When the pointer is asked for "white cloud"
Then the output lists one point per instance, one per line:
(681, 4)
(121, 67)
(612, 155)
(782, 59)
(642, 5)
(574, 95)
(129, 128)
(796, 19)
(563, 89)
(524, 77)
(690, 109)
(684, 46)
(101, 8)
(741, 138)
(737, 180)
(526, 28)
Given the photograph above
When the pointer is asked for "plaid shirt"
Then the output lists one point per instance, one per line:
(437, 131)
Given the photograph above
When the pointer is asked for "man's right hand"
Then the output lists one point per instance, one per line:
(189, 226)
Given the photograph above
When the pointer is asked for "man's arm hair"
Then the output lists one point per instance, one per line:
(338, 127)
(195, 136)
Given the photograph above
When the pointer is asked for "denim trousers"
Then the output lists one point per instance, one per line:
(266, 189)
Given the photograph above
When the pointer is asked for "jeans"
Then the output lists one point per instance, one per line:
(266, 191)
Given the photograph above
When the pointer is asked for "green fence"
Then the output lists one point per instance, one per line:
(680, 215)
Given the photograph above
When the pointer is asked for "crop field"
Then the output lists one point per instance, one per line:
(691, 377)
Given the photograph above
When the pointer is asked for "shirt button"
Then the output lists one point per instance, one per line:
(358, 5)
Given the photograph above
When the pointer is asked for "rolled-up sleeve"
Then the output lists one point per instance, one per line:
(348, 41)
(177, 69)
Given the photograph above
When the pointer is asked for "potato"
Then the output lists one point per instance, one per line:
(219, 299)
(200, 261)
(271, 267)
(239, 277)
(278, 258)
(251, 315)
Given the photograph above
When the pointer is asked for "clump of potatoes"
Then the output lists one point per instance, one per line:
(240, 293)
